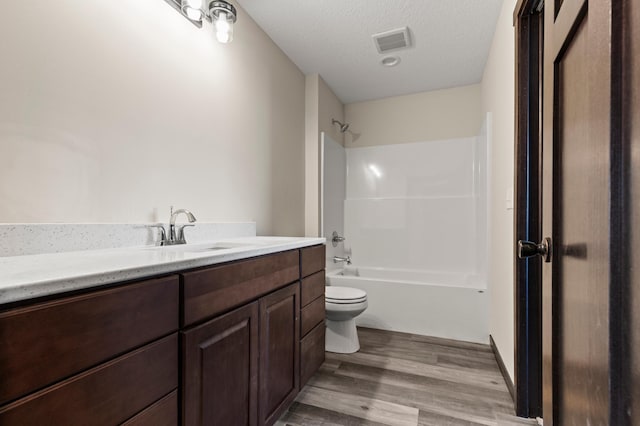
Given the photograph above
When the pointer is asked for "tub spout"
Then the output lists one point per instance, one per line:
(337, 259)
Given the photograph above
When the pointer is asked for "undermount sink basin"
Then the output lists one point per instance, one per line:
(211, 247)
(191, 249)
(201, 248)
(254, 242)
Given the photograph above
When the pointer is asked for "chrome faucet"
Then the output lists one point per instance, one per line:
(179, 238)
(337, 259)
(174, 238)
(163, 234)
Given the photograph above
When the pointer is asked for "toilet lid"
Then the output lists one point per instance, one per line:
(335, 294)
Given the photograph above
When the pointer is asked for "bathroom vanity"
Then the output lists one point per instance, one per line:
(228, 343)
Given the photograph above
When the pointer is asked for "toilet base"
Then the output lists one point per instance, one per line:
(342, 337)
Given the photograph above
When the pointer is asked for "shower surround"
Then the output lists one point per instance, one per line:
(415, 222)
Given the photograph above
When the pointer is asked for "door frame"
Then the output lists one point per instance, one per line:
(528, 21)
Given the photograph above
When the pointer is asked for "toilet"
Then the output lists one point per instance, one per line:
(343, 305)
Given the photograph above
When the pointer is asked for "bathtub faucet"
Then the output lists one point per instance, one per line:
(337, 259)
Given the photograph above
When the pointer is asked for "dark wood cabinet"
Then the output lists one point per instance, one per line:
(279, 352)
(212, 291)
(312, 287)
(311, 353)
(242, 368)
(312, 259)
(253, 350)
(312, 314)
(78, 332)
(163, 413)
(99, 358)
(220, 370)
(105, 395)
(240, 334)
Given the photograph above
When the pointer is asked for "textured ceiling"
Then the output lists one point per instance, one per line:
(450, 41)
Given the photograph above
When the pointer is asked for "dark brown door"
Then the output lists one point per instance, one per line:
(575, 211)
(220, 370)
(585, 212)
(630, 339)
(279, 352)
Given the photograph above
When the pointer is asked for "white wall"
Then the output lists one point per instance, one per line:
(498, 98)
(111, 112)
(334, 181)
(312, 157)
(415, 206)
(321, 105)
(482, 177)
(436, 115)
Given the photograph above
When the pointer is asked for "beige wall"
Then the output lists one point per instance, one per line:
(498, 98)
(321, 105)
(113, 112)
(436, 115)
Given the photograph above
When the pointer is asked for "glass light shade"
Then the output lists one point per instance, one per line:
(193, 9)
(193, 14)
(223, 25)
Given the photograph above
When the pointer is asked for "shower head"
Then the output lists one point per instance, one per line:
(343, 127)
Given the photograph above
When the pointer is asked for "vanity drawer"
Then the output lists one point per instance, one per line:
(312, 259)
(311, 353)
(312, 287)
(311, 315)
(47, 342)
(209, 292)
(105, 395)
(161, 413)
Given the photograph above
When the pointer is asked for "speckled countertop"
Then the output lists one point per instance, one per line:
(26, 277)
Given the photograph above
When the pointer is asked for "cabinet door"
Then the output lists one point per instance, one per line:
(279, 352)
(220, 370)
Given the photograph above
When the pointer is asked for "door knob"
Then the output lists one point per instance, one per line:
(529, 249)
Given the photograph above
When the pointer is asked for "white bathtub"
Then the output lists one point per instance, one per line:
(442, 304)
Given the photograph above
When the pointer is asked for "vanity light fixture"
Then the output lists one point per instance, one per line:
(220, 12)
(223, 15)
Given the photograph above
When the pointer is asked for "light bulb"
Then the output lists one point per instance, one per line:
(193, 14)
(193, 9)
(224, 27)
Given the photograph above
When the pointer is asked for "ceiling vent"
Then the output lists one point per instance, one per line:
(392, 40)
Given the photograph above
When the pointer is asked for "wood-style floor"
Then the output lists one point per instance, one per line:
(406, 379)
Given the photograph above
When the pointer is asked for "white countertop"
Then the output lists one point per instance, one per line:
(26, 277)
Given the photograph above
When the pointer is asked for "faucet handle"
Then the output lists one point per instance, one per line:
(181, 239)
(336, 238)
(163, 234)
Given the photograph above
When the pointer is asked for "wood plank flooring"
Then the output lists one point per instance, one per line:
(405, 379)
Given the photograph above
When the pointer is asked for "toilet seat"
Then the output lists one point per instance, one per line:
(344, 295)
